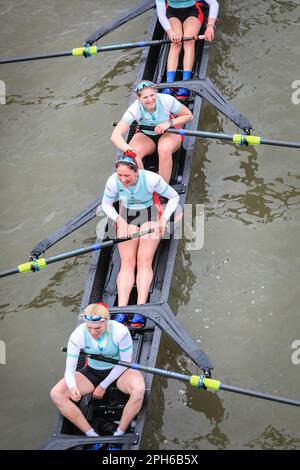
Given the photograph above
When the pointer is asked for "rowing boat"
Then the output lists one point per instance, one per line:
(101, 280)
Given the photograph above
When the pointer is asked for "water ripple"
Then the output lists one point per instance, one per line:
(88, 96)
(258, 200)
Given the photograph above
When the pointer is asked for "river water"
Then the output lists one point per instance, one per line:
(238, 297)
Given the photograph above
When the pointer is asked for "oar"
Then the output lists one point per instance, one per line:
(239, 139)
(88, 50)
(199, 381)
(37, 264)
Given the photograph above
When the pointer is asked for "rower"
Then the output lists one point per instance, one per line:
(136, 190)
(159, 111)
(98, 334)
(184, 18)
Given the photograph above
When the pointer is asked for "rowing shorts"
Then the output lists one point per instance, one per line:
(183, 13)
(95, 376)
(155, 138)
(139, 217)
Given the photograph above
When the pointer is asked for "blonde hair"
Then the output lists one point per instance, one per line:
(98, 310)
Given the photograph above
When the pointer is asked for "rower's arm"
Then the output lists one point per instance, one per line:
(157, 184)
(183, 116)
(75, 344)
(117, 136)
(122, 337)
(172, 203)
(213, 10)
(109, 197)
(162, 17)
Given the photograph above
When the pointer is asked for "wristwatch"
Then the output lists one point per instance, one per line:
(171, 122)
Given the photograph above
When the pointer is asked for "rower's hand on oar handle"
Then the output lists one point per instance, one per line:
(75, 394)
(125, 230)
(161, 226)
(162, 127)
(122, 227)
(174, 37)
(99, 392)
(210, 32)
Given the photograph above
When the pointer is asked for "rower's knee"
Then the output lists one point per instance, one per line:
(188, 45)
(56, 396)
(128, 264)
(137, 394)
(144, 261)
(176, 48)
(164, 154)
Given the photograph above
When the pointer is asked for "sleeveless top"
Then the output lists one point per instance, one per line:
(135, 197)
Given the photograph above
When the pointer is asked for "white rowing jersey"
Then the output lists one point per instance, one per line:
(139, 196)
(118, 338)
(166, 106)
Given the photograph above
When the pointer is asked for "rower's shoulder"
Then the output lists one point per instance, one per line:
(78, 332)
(167, 99)
(118, 326)
(111, 181)
(120, 332)
(151, 176)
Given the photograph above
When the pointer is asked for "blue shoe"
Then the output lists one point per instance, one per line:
(182, 93)
(137, 321)
(168, 91)
(96, 446)
(120, 317)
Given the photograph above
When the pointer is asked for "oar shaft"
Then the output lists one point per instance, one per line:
(132, 45)
(92, 50)
(35, 57)
(240, 139)
(79, 251)
(37, 264)
(150, 370)
(95, 247)
(135, 366)
(9, 272)
(254, 393)
(200, 382)
(280, 143)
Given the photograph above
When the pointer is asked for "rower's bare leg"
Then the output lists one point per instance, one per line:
(126, 276)
(60, 395)
(143, 145)
(145, 255)
(175, 49)
(132, 383)
(191, 27)
(167, 145)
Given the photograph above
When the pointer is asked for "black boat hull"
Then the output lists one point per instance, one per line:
(101, 280)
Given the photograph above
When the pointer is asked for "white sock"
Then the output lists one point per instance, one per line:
(119, 432)
(91, 433)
